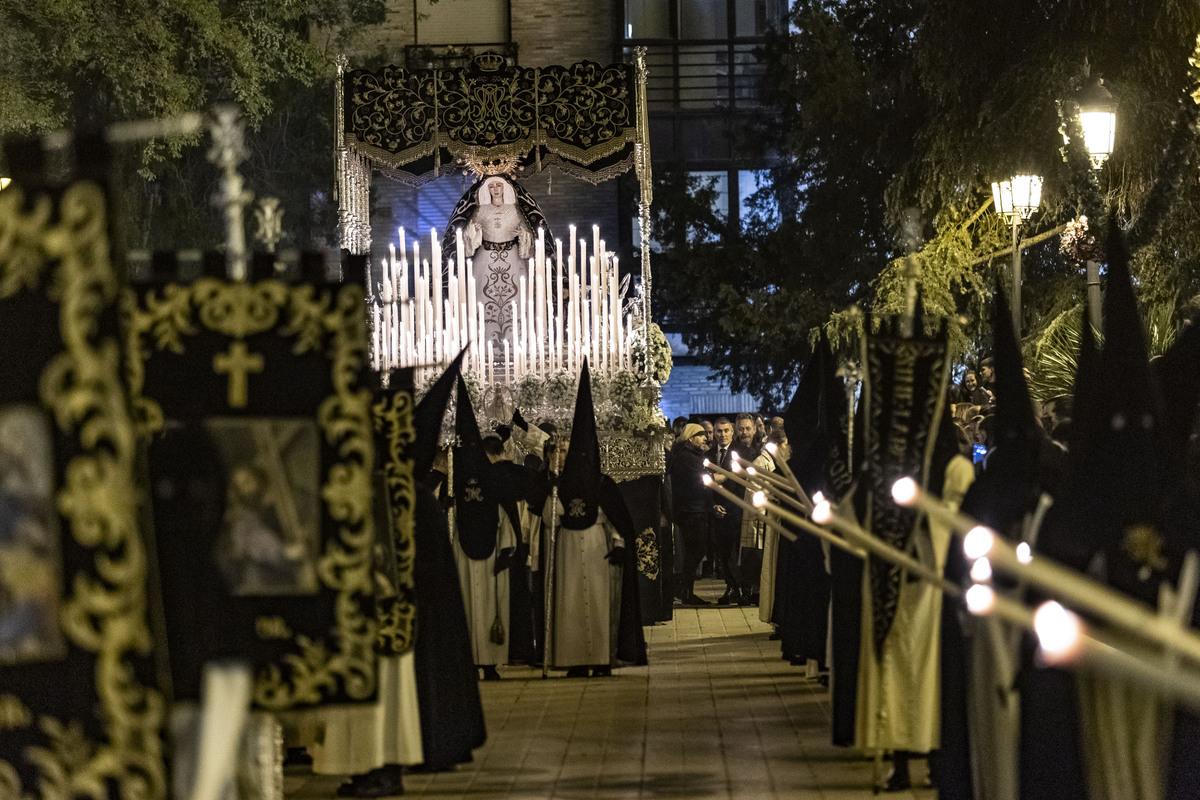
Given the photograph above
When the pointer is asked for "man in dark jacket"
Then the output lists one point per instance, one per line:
(691, 501)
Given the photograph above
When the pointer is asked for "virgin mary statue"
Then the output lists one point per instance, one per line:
(499, 220)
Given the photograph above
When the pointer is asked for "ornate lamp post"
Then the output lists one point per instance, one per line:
(1098, 119)
(1015, 201)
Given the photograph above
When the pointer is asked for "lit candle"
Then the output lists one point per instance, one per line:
(508, 377)
(491, 364)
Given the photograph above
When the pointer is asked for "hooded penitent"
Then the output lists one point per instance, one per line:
(579, 486)
(427, 419)
(476, 501)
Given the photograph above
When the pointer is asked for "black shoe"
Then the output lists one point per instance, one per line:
(577, 672)
(775, 636)
(604, 671)
(490, 673)
(730, 598)
(383, 782)
(297, 757)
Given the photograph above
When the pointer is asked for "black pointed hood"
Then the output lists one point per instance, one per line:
(1118, 488)
(1178, 376)
(579, 484)
(476, 502)
(1009, 487)
(815, 418)
(427, 419)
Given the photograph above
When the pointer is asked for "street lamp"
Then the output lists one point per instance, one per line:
(4, 182)
(1015, 201)
(1098, 119)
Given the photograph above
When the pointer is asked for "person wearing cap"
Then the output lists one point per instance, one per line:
(690, 500)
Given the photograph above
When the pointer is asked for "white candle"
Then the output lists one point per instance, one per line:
(614, 313)
(491, 364)
(507, 361)
(376, 357)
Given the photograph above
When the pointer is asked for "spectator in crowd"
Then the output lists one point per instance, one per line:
(975, 394)
(753, 536)
(708, 432)
(760, 431)
(1056, 417)
(777, 424)
(725, 531)
(691, 502)
(677, 425)
(987, 373)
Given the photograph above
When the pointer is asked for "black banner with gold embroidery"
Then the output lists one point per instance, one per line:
(395, 504)
(581, 118)
(254, 399)
(81, 710)
(904, 392)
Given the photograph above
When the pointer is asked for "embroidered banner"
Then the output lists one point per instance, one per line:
(581, 118)
(903, 391)
(80, 711)
(254, 399)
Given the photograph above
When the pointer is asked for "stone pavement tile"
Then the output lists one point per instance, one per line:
(716, 714)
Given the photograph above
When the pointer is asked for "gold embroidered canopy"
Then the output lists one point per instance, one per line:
(586, 118)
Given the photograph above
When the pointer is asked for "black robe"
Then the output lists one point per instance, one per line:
(451, 712)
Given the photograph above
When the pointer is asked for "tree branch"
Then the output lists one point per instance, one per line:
(1041, 237)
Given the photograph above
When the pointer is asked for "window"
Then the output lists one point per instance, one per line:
(647, 19)
(703, 19)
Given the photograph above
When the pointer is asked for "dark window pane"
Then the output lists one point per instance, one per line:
(703, 19)
(647, 19)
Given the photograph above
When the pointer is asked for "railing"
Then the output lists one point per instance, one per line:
(455, 56)
(701, 75)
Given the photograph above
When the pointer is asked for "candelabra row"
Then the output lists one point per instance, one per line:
(565, 309)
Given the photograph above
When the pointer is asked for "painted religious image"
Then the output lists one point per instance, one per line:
(270, 538)
(30, 555)
(498, 221)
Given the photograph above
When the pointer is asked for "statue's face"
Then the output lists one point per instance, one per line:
(496, 190)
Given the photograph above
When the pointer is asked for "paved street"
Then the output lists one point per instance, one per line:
(717, 714)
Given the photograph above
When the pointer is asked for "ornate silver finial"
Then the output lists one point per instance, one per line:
(227, 152)
(268, 216)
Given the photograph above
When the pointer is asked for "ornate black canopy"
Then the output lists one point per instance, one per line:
(583, 118)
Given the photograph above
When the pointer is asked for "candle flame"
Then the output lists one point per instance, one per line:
(978, 542)
(759, 499)
(981, 570)
(822, 512)
(1058, 630)
(980, 599)
(771, 448)
(904, 491)
(706, 480)
(1024, 553)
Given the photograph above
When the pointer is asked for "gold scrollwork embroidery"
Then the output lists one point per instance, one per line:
(105, 613)
(328, 322)
(393, 417)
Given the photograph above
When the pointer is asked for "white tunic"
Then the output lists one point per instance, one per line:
(898, 695)
(353, 739)
(486, 598)
(587, 595)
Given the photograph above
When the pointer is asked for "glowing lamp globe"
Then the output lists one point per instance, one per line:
(1018, 197)
(1098, 118)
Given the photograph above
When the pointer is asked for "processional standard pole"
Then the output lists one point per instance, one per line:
(551, 543)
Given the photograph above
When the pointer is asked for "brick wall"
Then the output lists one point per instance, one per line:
(563, 31)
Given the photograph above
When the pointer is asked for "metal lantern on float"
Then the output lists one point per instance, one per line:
(1098, 118)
